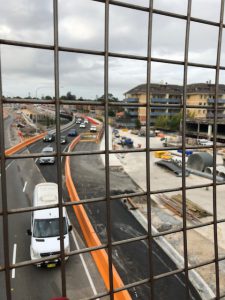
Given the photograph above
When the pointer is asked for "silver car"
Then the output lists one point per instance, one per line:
(47, 159)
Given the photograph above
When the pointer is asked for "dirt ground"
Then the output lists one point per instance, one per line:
(200, 242)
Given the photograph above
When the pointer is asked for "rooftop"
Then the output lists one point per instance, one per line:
(208, 88)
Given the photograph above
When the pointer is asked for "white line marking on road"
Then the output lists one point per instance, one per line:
(84, 264)
(36, 159)
(10, 164)
(14, 260)
(25, 184)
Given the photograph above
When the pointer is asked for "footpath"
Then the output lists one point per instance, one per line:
(200, 241)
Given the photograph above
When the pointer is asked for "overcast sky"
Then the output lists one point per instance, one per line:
(81, 25)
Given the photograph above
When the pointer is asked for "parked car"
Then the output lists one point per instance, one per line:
(93, 129)
(49, 137)
(127, 142)
(82, 125)
(63, 139)
(204, 142)
(72, 132)
(47, 159)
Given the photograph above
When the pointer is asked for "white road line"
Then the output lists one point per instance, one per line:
(14, 260)
(25, 184)
(10, 164)
(36, 159)
(84, 264)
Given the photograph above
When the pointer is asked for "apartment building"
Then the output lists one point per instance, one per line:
(198, 94)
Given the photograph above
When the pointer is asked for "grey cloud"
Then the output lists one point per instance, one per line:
(81, 25)
(27, 20)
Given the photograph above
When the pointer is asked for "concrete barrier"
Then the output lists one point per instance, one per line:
(100, 256)
(100, 135)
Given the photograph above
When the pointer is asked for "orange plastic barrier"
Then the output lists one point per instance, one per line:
(93, 121)
(100, 256)
(23, 144)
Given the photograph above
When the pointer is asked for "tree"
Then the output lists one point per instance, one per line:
(48, 97)
(162, 122)
(111, 98)
(70, 96)
(169, 123)
(111, 113)
(138, 124)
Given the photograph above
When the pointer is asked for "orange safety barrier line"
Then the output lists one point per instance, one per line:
(23, 144)
(100, 256)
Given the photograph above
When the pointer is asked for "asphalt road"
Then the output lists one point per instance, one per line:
(40, 283)
(131, 260)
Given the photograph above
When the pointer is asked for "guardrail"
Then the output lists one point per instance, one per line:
(100, 256)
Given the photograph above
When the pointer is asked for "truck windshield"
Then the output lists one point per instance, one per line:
(44, 228)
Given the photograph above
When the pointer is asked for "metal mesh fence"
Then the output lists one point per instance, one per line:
(149, 237)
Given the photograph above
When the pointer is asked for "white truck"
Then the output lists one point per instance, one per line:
(44, 232)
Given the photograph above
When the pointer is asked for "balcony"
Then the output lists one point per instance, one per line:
(220, 101)
(166, 100)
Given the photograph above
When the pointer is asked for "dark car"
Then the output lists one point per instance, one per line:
(63, 139)
(127, 142)
(72, 132)
(49, 138)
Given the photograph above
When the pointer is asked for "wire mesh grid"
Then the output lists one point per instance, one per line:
(149, 237)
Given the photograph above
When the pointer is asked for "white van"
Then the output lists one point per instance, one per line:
(45, 236)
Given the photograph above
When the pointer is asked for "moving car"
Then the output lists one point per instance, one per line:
(85, 121)
(82, 125)
(47, 159)
(49, 137)
(44, 232)
(72, 132)
(93, 128)
(63, 139)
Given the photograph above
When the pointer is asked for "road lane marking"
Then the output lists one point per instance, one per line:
(36, 159)
(10, 164)
(85, 266)
(14, 260)
(25, 184)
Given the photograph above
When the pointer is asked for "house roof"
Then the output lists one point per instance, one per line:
(204, 88)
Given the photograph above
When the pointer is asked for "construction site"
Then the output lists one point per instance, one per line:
(167, 205)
